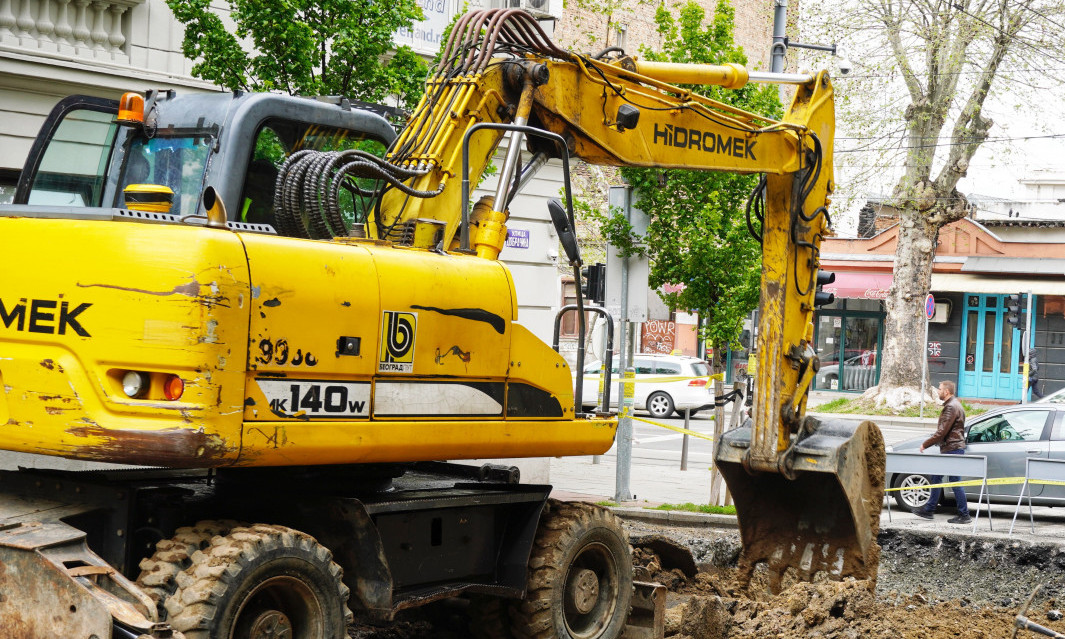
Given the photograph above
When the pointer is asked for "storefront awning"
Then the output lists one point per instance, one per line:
(860, 286)
(967, 283)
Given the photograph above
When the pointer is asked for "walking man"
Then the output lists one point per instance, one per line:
(950, 437)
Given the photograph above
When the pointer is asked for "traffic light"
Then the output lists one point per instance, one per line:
(1013, 310)
(822, 298)
(593, 282)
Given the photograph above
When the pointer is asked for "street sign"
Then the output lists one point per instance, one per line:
(929, 306)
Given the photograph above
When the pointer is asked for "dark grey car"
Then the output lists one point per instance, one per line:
(1007, 436)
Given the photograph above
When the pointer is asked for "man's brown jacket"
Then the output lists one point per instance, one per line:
(950, 434)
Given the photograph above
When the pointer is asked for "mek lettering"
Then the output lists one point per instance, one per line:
(683, 138)
(51, 317)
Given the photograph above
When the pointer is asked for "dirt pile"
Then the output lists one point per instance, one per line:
(940, 587)
(841, 610)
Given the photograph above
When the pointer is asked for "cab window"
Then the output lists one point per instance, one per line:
(73, 168)
(177, 162)
(277, 140)
(644, 366)
(1018, 426)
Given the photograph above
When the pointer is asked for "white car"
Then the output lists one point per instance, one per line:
(664, 384)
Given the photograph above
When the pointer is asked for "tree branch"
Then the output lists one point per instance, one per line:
(893, 28)
(971, 128)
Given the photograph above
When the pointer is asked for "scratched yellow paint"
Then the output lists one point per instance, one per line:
(154, 298)
(200, 303)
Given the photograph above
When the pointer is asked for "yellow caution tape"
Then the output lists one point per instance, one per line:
(677, 429)
(997, 481)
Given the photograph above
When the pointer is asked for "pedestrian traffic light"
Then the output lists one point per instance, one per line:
(820, 297)
(1013, 310)
(593, 282)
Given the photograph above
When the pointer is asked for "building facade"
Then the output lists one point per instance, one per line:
(971, 341)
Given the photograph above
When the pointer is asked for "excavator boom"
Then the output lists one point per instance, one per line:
(807, 493)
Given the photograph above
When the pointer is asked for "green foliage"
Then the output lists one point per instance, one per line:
(698, 508)
(698, 235)
(320, 47)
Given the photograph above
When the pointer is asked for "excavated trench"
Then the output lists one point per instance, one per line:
(930, 586)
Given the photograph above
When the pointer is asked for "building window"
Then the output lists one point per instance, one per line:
(620, 35)
(849, 341)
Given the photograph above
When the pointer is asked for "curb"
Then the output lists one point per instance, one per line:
(675, 517)
(881, 420)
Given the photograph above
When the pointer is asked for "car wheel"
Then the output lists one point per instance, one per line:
(660, 405)
(915, 491)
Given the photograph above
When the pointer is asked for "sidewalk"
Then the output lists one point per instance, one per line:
(652, 481)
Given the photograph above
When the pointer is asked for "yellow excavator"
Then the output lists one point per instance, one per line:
(272, 317)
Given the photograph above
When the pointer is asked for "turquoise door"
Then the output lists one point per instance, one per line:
(990, 350)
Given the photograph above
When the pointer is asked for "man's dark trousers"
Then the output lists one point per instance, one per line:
(959, 491)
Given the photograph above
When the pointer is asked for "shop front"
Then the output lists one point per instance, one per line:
(849, 335)
(970, 340)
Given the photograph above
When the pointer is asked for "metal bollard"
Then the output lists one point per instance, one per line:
(684, 441)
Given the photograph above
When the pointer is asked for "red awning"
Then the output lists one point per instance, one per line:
(861, 286)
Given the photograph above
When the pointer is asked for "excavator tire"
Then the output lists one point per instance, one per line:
(580, 576)
(258, 582)
(174, 555)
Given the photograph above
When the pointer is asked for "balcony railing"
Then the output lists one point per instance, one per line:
(87, 29)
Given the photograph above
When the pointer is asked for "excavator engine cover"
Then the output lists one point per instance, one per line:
(825, 518)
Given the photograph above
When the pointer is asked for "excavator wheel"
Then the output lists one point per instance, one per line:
(580, 576)
(174, 555)
(261, 582)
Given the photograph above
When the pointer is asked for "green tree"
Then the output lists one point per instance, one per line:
(933, 76)
(698, 234)
(319, 47)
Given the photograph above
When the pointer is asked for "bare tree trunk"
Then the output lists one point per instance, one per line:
(904, 324)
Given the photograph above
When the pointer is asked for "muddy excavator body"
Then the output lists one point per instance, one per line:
(280, 316)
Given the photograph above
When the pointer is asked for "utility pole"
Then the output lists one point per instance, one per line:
(1027, 343)
(780, 38)
(623, 491)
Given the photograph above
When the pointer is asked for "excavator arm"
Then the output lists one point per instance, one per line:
(807, 493)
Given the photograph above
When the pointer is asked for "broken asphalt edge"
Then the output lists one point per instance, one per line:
(675, 517)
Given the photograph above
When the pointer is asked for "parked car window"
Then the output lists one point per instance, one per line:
(1059, 428)
(644, 367)
(1015, 426)
(667, 368)
(700, 369)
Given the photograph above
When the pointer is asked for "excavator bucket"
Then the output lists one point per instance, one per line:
(821, 514)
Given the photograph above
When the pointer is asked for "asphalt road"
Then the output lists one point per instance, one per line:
(651, 441)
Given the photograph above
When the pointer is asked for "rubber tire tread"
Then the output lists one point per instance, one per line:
(217, 573)
(158, 572)
(562, 528)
